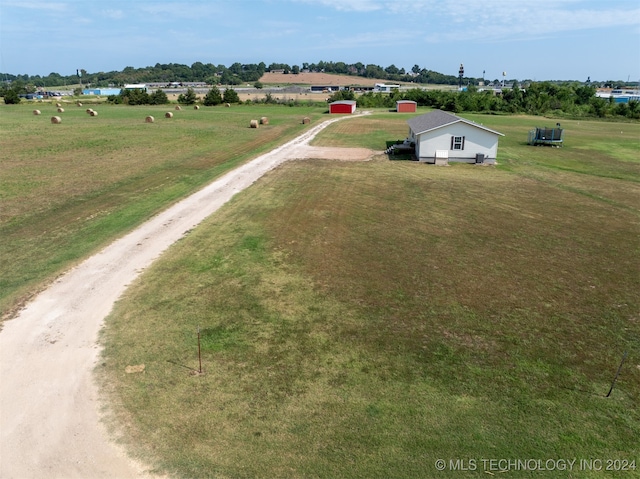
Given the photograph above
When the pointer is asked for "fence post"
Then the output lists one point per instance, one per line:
(199, 355)
(617, 373)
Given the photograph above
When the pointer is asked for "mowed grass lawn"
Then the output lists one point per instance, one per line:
(68, 189)
(363, 320)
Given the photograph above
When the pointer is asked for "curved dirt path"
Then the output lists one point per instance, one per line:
(49, 403)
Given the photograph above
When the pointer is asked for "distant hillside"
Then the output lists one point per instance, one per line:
(238, 74)
(331, 73)
(314, 78)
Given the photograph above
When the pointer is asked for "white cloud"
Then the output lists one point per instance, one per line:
(179, 10)
(365, 40)
(112, 14)
(529, 22)
(36, 5)
(347, 5)
(499, 18)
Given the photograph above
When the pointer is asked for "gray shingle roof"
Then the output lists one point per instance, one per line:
(437, 119)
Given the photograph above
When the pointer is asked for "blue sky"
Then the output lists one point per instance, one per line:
(537, 40)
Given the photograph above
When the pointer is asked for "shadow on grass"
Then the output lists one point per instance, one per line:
(579, 390)
(394, 153)
(176, 363)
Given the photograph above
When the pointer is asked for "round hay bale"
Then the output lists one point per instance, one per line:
(254, 124)
(88, 110)
(306, 120)
(196, 107)
(58, 105)
(36, 112)
(79, 104)
(168, 115)
(228, 105)
(60, 110)
(93, 113)
(149, 119)
(178, 107)
(264, 120)
(56, 119)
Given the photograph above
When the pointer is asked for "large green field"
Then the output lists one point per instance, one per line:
(68, 189)
(369, 319)
(357, 319)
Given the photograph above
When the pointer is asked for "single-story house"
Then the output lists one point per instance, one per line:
(406, 106)
(441, 137)
(342, 106)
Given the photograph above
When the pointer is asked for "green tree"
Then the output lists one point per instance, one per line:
(188, 98)
(584, 94)
(228, 78)
(134, 97)
(268, 98)
(213, 97)
(374, 71)
(230, 96)
(392, 69)
(598, 107)
(11, 97)
(236, 68)
(342, 95)
(158, 97)
(633, 109)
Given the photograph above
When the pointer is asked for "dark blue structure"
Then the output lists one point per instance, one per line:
(546, 136)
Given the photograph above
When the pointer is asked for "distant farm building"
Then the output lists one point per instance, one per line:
(136, 86)
(101, 91)
(406, 106)
(343, 106)
(441, 137)
(324, 88)
(175, 84)
(618, 95)
(382, 87)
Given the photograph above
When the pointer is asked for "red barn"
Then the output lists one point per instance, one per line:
(344, 106)
(406, 106)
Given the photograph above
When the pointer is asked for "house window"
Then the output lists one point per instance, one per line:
(457, 142)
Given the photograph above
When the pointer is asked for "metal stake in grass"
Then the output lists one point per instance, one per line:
(617, 373)
(200, 356)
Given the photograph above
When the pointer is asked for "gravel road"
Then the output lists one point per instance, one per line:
(50, 420)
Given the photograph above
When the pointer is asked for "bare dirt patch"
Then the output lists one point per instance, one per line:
(318, 79)
(332, 153)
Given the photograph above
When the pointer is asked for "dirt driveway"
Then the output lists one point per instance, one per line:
(49, 403)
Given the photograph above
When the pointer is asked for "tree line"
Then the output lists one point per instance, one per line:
(239, 73)
(138, 96)
(571, 100)
(536, 98)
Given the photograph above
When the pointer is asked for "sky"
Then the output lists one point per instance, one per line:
(528, 40)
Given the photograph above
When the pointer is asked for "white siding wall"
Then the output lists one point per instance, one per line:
(476, 141)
